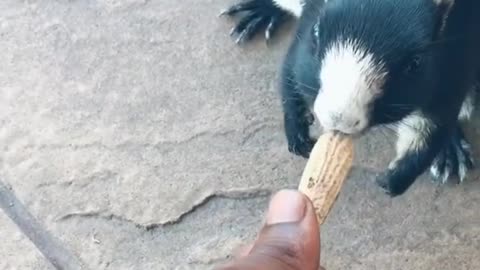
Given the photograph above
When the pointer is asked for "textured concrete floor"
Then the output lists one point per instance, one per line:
(140, 137)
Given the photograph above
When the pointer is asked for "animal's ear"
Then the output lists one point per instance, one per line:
(443, 10)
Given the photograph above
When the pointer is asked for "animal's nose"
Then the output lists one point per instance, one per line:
(346, 123)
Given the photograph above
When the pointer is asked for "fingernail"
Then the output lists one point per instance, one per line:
(286, 206)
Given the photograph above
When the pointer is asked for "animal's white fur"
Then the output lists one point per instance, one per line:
(350, 80)
(440, 2)
(295, 7)
(435, 171)
(411, 134)
(443, 176)
(463, 170)
(468, 106)
(449, 4)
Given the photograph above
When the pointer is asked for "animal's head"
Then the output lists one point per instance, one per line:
(375, 60)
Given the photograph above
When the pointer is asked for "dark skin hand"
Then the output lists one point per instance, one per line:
(289, 239)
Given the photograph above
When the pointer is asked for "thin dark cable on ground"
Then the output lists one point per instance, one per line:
(46, 243)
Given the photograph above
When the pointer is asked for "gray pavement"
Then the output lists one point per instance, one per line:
(141, 137)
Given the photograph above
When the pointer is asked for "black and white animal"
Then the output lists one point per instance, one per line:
(358, 64)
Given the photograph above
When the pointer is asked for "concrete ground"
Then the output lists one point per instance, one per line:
(135, 134)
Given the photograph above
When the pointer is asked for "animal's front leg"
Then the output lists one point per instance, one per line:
(297, 119)
(419, 142)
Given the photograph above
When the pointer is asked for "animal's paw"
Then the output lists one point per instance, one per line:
(258, 14)
(389, 184)
(301, 145)
(455, 159)
(297, 129)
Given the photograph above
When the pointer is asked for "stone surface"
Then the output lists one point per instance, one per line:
(143, 137)
(16, 251)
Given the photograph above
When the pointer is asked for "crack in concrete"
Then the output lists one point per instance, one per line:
(210, 262)
(236, 194)
(96, 177)
(105, 216)
(102, 215)
(233, 194)
(49, 184)
(256, 127)
(254, 132)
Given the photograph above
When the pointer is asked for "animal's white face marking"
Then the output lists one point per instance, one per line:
(293, 6)
(350, 81)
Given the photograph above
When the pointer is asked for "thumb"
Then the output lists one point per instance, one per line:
(290, 239)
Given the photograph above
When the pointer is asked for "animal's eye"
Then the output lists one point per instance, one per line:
(413, 64)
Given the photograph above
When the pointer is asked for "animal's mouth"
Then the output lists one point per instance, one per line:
(355, 135)
(340, 127)
(359, 134)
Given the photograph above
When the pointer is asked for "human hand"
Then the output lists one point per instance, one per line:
(289, 239)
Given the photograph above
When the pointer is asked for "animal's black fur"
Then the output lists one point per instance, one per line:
(456, 62)
(431, 71)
